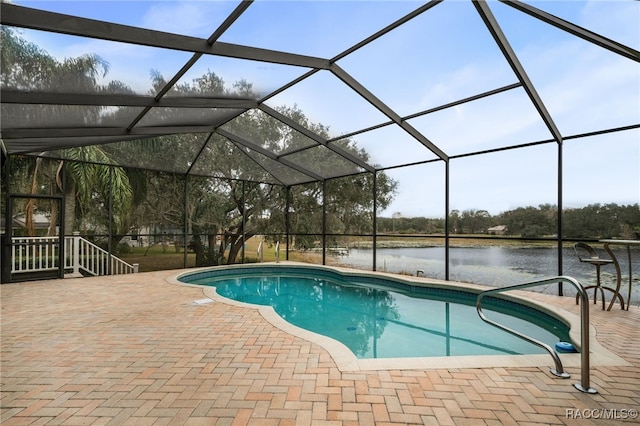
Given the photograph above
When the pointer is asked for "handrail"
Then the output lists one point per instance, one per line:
(95, 260)
(34, 254)
(277, 251)
(583, 386)
(260, 253)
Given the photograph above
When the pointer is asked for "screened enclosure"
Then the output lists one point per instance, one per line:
(182, 134)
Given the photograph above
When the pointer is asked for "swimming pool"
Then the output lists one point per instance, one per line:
(380, 317)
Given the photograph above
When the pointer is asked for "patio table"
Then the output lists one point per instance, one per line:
(628, 244)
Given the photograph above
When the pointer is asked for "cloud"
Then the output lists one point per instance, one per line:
(470, 79)
(198, 19)
(128, 63)
(583, 86)
(619, 23)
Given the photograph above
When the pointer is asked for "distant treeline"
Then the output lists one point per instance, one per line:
(592, 221)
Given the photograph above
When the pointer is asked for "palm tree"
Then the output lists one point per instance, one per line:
(92, 183)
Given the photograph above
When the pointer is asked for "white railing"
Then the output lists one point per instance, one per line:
(31, 254)
(260, 253)
(35, 254)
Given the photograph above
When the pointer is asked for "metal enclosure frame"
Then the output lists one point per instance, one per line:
(47, 141)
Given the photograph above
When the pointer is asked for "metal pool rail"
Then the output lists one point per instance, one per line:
(583, 386)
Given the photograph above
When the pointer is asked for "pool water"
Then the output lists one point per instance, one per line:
(377, 318)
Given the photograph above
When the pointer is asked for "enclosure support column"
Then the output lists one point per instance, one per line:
(244, 222)
(62, 229)
(324, 222)
(560, 257)
(185, 230)
(5, 256)
(446, 220)
(503, 43)
(375, 217)
(109, 248)
(287, 219)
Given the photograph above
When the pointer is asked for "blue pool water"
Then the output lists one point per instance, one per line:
(379, 318)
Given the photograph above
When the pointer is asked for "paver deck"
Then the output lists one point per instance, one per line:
(139, 350)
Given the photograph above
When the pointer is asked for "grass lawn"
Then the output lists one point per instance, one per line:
(156, 258)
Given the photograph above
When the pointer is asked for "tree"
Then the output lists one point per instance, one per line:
(247, 195)
(454, 222)
(601, 221)
(474, 221)
(26, 66)
(247, 199)
(529, 222)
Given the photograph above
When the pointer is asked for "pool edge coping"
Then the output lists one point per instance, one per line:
(346, 360)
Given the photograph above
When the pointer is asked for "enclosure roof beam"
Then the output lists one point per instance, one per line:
(38, 145)
(382, 107)
(248, 144)
(24, 17)
(431, 110)
(237, 12)
(242, 148)
(9, 96)
(314, 136)
(501, 40)
(575, 30)
(387, 29)
(87, 131)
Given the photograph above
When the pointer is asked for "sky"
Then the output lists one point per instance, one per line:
(440, 56)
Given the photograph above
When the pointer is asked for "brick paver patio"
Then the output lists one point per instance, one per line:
(138, 350)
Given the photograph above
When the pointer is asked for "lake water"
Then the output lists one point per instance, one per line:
(497, 266)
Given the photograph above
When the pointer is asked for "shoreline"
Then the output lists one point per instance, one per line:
(463, 243)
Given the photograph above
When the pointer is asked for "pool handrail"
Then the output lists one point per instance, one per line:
(277, 251)
(584, 385)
